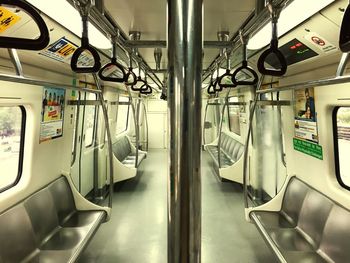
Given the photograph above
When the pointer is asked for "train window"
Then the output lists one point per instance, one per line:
(89, 119)
(122, 114)
(233, 114)
(341, 127)
(12, 124)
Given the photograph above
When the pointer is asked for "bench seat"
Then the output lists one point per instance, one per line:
(46, 227)
(123, 152)
(230, 151)
(309, 228)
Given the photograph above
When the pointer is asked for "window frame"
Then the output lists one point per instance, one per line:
(21, 150)
(94, 124)
(128, 103)
(336, 147)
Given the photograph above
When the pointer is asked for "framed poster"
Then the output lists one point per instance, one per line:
(305, 118)
(52, 113)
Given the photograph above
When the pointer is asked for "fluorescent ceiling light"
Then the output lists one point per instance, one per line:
(291, 16)
(66, 15)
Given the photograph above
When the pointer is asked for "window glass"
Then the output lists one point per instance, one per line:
(341, 120)
(233, 113)
(122, 115)
(89, 120)
(11, 145)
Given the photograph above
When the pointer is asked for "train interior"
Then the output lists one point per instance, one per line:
(97, 97)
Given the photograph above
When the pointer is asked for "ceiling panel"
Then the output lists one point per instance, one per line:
(149, 17)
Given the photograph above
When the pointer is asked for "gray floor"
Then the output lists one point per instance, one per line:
(137, 231)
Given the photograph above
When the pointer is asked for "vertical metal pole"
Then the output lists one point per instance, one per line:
(185, 44)
(15, 61)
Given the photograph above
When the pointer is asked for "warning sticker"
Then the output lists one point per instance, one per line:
(7, 19)
(320, 42)
(63, 49)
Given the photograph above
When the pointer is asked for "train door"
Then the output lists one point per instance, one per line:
(83, 169)
(158, 124)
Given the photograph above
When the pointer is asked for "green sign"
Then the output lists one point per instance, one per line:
(308, 148)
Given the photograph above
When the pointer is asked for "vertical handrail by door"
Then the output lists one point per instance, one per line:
(135, 124)
(109, 138)
(205, 117)
(184, 99)
(138, 127)
(146, 122)
(246, 145)
(221, 124)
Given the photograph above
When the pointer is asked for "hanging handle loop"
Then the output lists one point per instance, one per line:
(84, 10)
(130, 74)
(273, 50)
(142, 83)
(244, 66)
(112, 64)
(211, 88)
(226, 74)
(344, 37)
(22, 43)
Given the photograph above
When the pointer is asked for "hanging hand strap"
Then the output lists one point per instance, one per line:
(244, 67)
(344, 37)
(273, 50)
(84, 10)
(211, 88)
(226, 74)
(22, 43)
(111, 64)
(130, 74)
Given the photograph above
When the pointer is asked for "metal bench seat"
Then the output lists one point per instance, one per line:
(310, 227)
(47, 227)
(230, 151)
(123, 152)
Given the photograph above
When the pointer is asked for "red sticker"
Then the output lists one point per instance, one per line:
(318, 41)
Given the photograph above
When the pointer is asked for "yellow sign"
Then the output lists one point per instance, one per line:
(7, 19)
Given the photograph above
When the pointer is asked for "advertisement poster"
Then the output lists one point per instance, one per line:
(63, 49)
(305, 121)
(52, 113)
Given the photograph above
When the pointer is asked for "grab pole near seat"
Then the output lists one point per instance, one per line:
(109, 139)
(185, 42)
(221, 124)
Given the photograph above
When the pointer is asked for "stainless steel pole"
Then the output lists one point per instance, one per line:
(185, 44)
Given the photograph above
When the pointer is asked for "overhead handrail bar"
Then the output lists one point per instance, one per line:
(109, 139)
(37, 82)
(113, 63)
(84, 10)
(130, 73)
(308, 84)
(342, 64)
(275, 12)
(22, 43)
(344, 37)
(15, 61)
(246, 145)
(244, 66)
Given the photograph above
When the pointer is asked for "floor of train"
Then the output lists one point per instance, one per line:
(137, 231)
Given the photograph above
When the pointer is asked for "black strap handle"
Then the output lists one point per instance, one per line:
(113, 63)
(344, 37)
(85, 46)
(280, 57)
(147, 90)
(275, 12)
(131, 74)
(225, 85)
(22, 43)
(211, 88)
(144, 85)
(244, 66)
